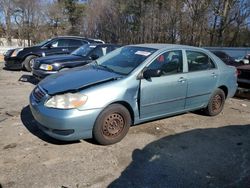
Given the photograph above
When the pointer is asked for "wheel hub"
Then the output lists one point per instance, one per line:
(217, 102)
(113, 125)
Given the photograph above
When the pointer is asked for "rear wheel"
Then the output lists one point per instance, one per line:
(216, 103)
(28, 62)
(112, 124)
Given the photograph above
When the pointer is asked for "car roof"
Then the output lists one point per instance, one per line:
(159, 46)
(79, 37)
(100, 44)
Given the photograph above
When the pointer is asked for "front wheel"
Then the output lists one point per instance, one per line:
(216, 103)
(28, 62)
(112, 125)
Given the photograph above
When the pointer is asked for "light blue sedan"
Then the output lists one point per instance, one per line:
(131, 85)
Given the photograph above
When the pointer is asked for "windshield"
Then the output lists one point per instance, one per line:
(43, 42)
(83, 50)
(124, 60)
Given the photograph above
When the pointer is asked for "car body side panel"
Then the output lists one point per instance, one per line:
(201, 85)
(162, 95)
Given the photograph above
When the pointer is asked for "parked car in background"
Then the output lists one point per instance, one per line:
(242, 59)
(20, 58)
(227, 58)
(45, 66)
(131, 85)
(244, 76)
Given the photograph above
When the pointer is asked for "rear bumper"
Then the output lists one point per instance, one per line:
(40, 74)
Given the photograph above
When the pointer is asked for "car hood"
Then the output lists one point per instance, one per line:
(77, 79)
(61, 59)
(31, 48)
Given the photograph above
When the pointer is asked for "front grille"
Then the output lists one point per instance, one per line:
(39, 93)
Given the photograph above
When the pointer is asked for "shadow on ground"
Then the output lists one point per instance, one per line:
(29, 78)
(6, 69)
(216, 157)
(30, 123)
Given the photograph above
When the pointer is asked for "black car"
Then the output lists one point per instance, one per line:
(45, 66)
(23, 57)
(244, 76)
(226, 58)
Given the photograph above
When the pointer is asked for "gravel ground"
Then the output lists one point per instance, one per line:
(190, 150)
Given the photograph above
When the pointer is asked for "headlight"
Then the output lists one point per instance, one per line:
(67, 101)
(16, 51)
(46, 67)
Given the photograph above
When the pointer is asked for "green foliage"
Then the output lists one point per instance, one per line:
(75, 11)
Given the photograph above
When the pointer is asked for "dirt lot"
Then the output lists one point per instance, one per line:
(190, 150)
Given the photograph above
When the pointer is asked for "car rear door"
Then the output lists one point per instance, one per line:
(165, 94)
(202, 78)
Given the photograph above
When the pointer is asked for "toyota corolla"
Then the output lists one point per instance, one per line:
(131, 85)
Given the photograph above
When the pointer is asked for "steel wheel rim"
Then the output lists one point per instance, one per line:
(113, 125)
(217, 103)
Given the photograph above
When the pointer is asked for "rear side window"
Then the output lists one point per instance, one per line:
(75, 43)
(198, 61)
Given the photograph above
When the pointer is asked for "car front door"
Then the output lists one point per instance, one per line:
(202, 78)
(165, 94)
(57, 47)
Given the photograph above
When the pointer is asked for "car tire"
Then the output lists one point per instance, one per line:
(27, 62)
(216, 103)
(112, 125)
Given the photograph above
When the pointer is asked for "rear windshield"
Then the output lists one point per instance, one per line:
(84, 50)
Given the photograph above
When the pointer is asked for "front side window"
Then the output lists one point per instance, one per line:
(43, 42)
(168, 63)
(198, 61)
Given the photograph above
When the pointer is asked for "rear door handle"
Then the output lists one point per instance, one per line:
(182, 79)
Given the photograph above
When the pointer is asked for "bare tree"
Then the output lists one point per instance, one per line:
(6, 6)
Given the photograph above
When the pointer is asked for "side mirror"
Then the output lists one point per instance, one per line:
(94, 56)
(151, 73)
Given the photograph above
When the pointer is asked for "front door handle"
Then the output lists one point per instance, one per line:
(64, 50)
(182, 79)
(214, 75)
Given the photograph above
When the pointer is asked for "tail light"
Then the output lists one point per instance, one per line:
(238, 72)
